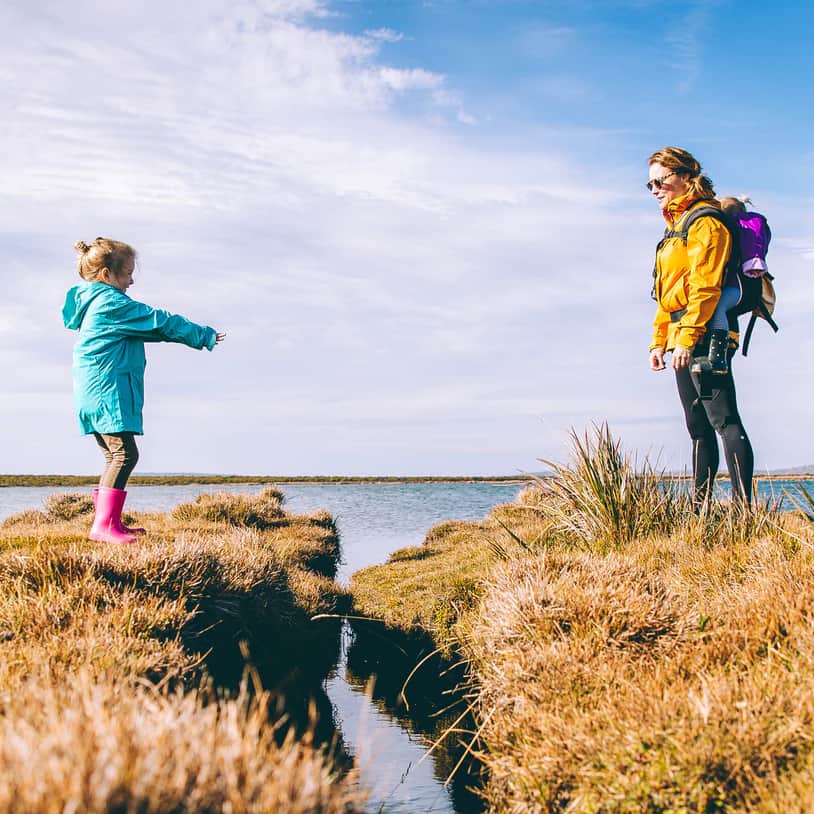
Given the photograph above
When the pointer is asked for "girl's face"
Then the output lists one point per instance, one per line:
(124, 279)
(666, 184)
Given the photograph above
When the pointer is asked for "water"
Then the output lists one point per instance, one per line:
(374, 520)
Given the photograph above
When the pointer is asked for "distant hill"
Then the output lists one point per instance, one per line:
(797, 470)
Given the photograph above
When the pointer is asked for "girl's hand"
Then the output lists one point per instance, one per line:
(657, 359)
(219, 338)
(681, 357)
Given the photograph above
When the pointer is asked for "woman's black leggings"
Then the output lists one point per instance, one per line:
(718, 415)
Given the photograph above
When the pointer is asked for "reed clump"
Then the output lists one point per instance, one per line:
(603, 497)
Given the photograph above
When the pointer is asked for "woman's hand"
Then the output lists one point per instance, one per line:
(219, 338)
(657, 359)
(681, 357)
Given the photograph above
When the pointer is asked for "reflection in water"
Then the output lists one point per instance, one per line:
(389, 740)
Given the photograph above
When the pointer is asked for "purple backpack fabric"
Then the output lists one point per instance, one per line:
(754, 242)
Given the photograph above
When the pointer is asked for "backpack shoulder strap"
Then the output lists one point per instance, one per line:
(691, 216)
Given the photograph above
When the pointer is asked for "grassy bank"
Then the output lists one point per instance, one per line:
(625, 654)
(120, 666)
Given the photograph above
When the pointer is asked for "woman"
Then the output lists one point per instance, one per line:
(688, 278)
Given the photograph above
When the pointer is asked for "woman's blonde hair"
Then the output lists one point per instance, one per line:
(102, 253)
(684, 163)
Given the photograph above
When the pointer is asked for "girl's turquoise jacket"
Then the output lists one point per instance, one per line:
(108, 358)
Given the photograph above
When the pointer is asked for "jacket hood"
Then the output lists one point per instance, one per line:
(77, 301)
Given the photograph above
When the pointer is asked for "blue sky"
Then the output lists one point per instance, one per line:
(422, 224)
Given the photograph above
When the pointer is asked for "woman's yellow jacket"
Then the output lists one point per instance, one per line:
(689, 277)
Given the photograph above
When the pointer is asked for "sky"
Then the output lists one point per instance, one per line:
(422, 225)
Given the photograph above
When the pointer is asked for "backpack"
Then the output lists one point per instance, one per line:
(757, 292)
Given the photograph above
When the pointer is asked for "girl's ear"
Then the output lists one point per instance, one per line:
(105, 276)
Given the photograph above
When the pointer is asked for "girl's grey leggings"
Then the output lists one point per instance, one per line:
(121, 457)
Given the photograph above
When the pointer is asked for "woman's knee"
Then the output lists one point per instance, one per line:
(698, 425)
(724, 420)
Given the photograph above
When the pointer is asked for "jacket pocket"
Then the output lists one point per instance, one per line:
(127, 394)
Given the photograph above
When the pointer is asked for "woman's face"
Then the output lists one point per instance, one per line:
(666, 184)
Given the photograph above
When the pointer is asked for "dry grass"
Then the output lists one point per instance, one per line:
(67, 505)
(152, 622)
(427, 587)
(256, 511)
(670, 676)
(97, 747)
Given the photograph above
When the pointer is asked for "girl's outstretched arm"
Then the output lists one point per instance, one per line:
(136, 319)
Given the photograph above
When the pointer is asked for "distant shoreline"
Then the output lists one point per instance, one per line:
(205, 480)
(183, 480)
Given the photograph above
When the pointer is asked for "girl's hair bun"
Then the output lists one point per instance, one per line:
(103, 253)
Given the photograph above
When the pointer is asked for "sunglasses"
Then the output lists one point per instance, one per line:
(658, 183)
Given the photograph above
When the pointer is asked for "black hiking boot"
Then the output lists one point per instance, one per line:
(715, 362)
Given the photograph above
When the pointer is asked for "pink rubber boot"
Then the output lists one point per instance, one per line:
(125, 529)
(106, 526)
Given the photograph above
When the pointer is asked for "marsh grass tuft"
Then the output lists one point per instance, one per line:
(603, 498)
(729, 522)
(258, 511)
(67, 505)
(28, 517)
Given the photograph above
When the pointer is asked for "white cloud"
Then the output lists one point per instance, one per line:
(385, 35)
(414, 79)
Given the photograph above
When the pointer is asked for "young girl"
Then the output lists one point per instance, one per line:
(754, 234)
(108, 368)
